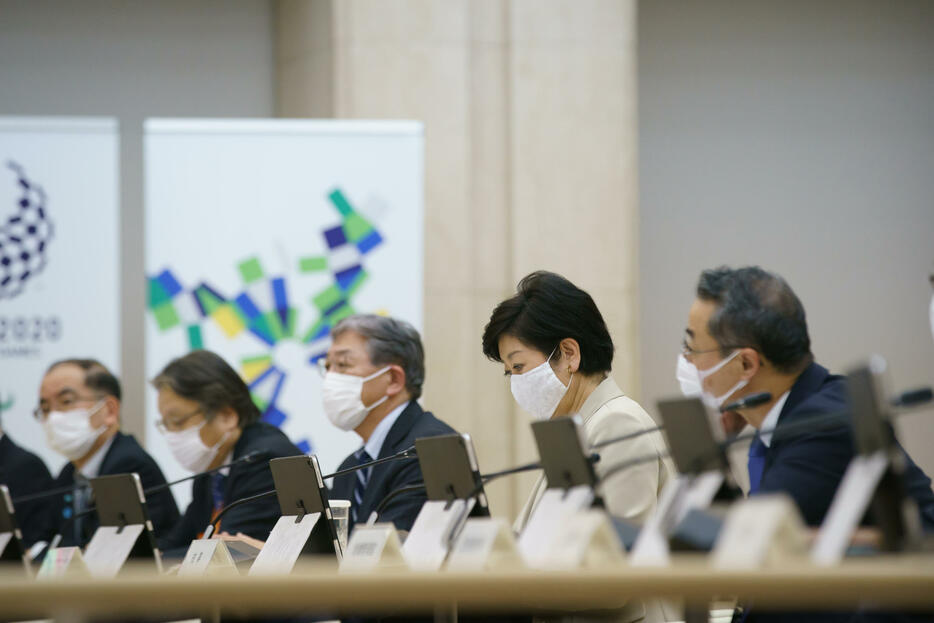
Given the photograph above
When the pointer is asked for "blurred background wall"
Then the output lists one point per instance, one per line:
(795, 135)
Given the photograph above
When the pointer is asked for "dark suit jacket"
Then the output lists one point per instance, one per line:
(125, 456)
(413, 423)
(255, 519)
(25, 473)
(809, 466)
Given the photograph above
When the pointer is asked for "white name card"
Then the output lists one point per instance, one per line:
(763, 530)
(207, 557)
(546, 524)
(433, 532)
(848, 507)
(109, 549)
(284, 546)
(372, 547)
(484, 543)
(587, 539)
(680, 496)
(62, 562)
(5, 538)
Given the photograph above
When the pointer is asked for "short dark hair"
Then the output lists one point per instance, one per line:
(96, 376)
(757, 309)
(207, 379)
(546, 309)
(389, 340)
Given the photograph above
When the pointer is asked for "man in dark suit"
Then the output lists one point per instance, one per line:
(209, 420)
(374, 372)
(747, 334)
(79, 408)
(25, 474)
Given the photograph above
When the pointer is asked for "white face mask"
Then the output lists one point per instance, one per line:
(342, 395)
(693, 384)
(188, 449)
(539, 390)
(69, 432)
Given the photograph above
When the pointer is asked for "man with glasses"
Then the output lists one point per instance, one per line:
(209, 421)
(79, 409)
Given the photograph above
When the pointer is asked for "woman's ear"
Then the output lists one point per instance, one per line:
(227, 418)
(570, 355)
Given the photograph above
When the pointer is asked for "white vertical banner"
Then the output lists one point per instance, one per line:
(260, 236)
(59, 258)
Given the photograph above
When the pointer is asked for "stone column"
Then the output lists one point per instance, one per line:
(530, 162)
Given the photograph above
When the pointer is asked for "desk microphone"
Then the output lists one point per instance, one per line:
(408, 453)
(747, 402)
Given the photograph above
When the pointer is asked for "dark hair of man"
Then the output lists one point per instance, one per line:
(207, 379)
(757, 309)
(546, 309)
(97, 377)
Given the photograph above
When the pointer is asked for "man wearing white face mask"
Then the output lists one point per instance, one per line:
(373, 376)
(209, 420)
(79, 409)
(747, 334)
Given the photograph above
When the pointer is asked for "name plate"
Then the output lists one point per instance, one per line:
(284, 545)
(680, 496)
(763, 530)
(433, 532)
(484, 543)
(5, 538)
(848, 507)
(587, 539)
(548, 519)
(372, 547)
(109, 549)
(207, 557)
(62, 562)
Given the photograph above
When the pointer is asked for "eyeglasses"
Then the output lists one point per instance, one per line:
(165, 427)
(687, 351)
(322, 365)
(40, 412)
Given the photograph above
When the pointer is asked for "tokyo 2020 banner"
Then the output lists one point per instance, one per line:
(59, 258)
(260, 236)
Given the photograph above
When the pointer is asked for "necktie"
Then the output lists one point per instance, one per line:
(756, 463)
(218, 481)
(81, 495)
(361, 478)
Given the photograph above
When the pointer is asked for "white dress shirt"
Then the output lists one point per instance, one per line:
(771, 420)
(374, 445)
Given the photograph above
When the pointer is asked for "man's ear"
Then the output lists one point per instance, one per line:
(396, 380)
(228, 418)
(111, 411)
(751, 360)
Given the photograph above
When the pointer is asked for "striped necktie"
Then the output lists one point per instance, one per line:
(361, 478)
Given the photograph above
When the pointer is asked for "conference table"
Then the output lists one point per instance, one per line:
(895, 582)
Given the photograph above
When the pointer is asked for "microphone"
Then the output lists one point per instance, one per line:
(913, 397)
(408, 453)
(747, 402)
(253, 498)
(251, 457)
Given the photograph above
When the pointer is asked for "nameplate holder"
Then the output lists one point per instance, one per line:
(548, 519)
(679, 496)
(761, 531)
(373, 547)
(849, 504)
(284, 545)
(109, 549)
(434, 532)
(485, 544)
(62, 562)
(206, 557)
(586, 540)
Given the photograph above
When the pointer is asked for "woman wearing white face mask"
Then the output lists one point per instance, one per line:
(557, 353)
(209, 420)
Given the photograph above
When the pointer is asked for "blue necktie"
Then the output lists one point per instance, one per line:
(361, 478)
(756, 463)
(218, 482)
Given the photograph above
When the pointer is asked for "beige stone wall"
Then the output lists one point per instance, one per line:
(530, 163)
